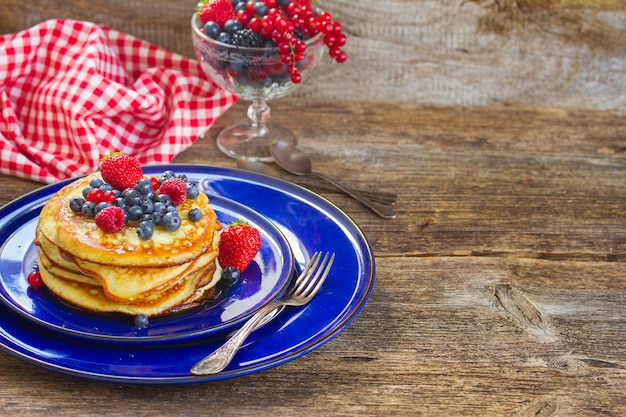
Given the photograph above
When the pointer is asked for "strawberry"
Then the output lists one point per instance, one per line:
(120, 171)
(175, 189)
(110, 219)
(239, 244)
(218, 11)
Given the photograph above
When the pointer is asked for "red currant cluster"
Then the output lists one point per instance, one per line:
(288, 23)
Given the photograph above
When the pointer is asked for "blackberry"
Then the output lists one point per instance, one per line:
(248, 39)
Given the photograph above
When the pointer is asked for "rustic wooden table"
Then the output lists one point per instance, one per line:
(501, 284)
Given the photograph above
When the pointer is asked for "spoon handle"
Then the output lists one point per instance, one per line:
(383, 210)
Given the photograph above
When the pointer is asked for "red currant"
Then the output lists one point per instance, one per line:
(95, 195)
(244, 17)
(109, 197)
(154, 181)
(292, 9)
(34, 279)
(250, 7)
(296, 78)
(255, 24)
(341, 57)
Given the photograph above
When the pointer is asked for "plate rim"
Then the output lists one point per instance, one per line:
(280, 287)
(364, 285)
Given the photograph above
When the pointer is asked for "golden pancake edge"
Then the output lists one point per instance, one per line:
(119, 272)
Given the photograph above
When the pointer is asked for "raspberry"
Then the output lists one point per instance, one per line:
(218, 11)
(110, 219)
(175, 189)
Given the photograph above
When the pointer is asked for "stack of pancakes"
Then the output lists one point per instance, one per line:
(119, 272)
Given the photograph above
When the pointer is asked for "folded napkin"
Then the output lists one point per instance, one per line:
(72, 91)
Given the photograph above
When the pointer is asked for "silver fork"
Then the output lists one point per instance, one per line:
(304, 288)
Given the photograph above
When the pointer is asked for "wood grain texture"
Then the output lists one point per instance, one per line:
(501, 285)
(566, 53)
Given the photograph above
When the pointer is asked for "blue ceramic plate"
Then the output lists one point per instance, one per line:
(308, 222)
(262, 282)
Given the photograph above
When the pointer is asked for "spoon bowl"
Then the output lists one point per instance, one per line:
(270, 169)
(291, 159)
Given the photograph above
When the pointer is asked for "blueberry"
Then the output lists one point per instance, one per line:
(260, 8)
(134, 213)
(147, 205)
(195, 214)
(237, 66)
(241, 5)
(159, 208)
(148, 217)
(171, 221)
(76, 204)
(132, 197)
(164, 199)
(230, 275)
(166, 175)
(143, 186)
(106, 187)
(151, 195)
(101, 206)
(192, 191)
(224, 37)
(171, 209)
(232, 25)
(145, 230)
(211, 29)
(88, 209)
(96, 183)
(121, 203)
(182, 177)
(86, 190)
(283, 3)
(141, 321)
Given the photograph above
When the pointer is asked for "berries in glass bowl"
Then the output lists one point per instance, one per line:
(261, 50)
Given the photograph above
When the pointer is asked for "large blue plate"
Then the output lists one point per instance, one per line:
(309, 224)
(262, 282)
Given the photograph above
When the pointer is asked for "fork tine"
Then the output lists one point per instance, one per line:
(322, 272)
(309, 270)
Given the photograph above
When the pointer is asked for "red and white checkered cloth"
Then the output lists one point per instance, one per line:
(72, 91)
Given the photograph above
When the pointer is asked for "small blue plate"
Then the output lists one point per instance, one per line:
(309, 224)
(262, 282)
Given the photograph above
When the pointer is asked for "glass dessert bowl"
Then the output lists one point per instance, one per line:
(256, 74)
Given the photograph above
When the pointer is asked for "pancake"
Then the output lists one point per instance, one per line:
(185, 294)
(119, 272)
(82, 238)
(122, 283)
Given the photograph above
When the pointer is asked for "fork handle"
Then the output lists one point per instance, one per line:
(220, 358)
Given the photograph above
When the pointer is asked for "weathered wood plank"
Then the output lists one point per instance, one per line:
(500, 285)
(434, 339)
(567, 53)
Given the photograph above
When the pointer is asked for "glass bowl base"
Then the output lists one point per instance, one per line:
(243, 141)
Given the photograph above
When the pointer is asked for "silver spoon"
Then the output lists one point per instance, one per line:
(294, 161)
(270, 169)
